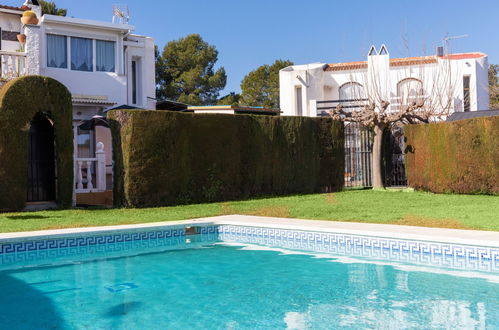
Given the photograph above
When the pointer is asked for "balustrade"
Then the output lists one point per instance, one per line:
(85, 168)
(13, 64)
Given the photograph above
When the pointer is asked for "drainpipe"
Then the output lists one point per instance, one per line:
(125, 66)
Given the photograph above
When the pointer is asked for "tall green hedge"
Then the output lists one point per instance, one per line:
(20, 100)
(458, 157)
(167, 158)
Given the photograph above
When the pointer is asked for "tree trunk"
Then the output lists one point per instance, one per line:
(377, 153)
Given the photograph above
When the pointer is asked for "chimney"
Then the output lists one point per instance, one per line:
(440, 51)
(34, 5)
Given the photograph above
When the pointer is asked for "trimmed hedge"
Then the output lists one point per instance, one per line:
(456, 157)
(20, 100)
(167, 158)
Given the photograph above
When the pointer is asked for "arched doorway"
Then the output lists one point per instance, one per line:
(40, 110)
(41, 160)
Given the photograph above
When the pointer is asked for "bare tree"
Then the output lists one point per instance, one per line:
(425, 92)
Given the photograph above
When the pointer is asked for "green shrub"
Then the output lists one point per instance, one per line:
(167, 158)
(456, 157)
(20, 100)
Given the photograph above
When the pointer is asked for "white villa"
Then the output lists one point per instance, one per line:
(103, 65)
(454, 82)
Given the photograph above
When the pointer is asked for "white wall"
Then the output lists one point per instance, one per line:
(318, 84)
(116, 86)
(10, 22)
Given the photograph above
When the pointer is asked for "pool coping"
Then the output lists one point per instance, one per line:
(442, 235)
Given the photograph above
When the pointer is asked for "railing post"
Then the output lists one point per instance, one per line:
(101, 167)
(79, 176)
(90, 184)
(5, 68)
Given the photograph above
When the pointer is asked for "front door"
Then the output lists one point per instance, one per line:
(41, 160)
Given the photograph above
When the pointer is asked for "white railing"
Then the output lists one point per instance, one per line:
(13, 64)
(84, 171)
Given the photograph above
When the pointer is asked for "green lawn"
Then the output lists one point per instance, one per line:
(393, 207)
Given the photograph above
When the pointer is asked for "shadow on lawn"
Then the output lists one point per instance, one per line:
(29, 217)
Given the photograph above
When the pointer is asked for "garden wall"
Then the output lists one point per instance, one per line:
(168, 158)
(458, 157)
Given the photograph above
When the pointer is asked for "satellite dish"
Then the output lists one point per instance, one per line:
(121, 14)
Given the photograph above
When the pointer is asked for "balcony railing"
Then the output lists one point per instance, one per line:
(13, 64)
(91, 172)
(396, 104)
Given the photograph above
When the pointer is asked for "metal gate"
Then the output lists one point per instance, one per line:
(358, 155)
(394, 166)
(358, 149)
(41, 161)
(359, 158)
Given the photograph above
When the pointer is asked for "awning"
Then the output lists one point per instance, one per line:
(95, 121)
(92, 100)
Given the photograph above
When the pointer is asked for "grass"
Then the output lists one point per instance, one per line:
(391, 207)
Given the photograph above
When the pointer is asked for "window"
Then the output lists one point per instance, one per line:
(410, 90)
(105, 56)
(134, 82)
(299, 102)
(352, 94)
(57, 51)
(82, 54)
(86, 143)
(466, 93)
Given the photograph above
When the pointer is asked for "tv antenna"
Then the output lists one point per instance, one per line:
(121, 14)
(448, 39)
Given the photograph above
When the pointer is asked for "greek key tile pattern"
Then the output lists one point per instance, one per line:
(454, 256)
(98, 251)
(106, 238)
(79, 247)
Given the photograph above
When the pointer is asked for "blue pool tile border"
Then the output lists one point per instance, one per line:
(447, 255)
(91, 239)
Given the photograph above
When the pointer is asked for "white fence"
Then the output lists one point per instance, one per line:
(13, 64)
(85, 168)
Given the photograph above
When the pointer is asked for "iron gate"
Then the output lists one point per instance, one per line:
(41, 161)
(393, 158)
(358, 156)
(358, 149)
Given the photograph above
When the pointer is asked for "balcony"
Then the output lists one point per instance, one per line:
(12, 65)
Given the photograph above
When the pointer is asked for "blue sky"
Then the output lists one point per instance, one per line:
(249, 33)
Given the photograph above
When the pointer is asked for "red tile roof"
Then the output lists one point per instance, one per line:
(11, 8)
(402, 61)
(464, 56)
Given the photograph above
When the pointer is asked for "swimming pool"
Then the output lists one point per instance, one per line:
(226, 276)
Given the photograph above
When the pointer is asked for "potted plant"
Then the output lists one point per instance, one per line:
(29, 17)
(21, 38)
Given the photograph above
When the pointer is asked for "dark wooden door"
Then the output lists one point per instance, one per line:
(41, 161)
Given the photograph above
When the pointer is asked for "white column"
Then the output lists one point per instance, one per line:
(33, 49)
(312, 108)
(101, 167)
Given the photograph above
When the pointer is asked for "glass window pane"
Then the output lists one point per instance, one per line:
(105, 55)
(81, 54)
(85, 141)
(134, 82)
(57, 51)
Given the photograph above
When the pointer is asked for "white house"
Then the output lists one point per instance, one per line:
(452, 82)
(103, 65)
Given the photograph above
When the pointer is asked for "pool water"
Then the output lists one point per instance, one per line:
(221, 286)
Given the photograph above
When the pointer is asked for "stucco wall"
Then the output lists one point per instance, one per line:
(320, 85)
